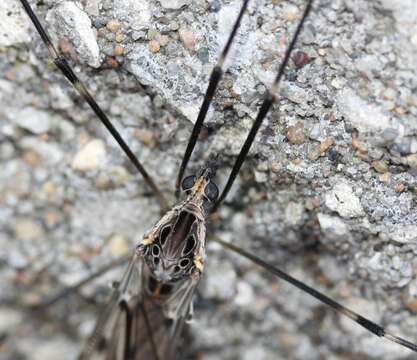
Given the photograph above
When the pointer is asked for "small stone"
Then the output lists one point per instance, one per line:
(244, 294)
(154, 46)
(357, 145)
(315, 132)
(69, 21)
(174, 26)
(147, 137)
(33, 120)
(91, 156)
(404, 234)
(399, 188)
(364, 116)
(102, 182)
(332, 224)
(221, 284)
(385, 178)
(312, 203)
(118, 50)
(113, 26)
(163, 40)
(31, 158)
(14, 25)
(325, 145)
(380, 166)
(118, 245)
(412, 306)
(314, 153)
(274, 167)
(51, 218)
(28, 229)
(188, 38)
(119, 37)
(295, 134)
(136, 14)
(411, 160)
(300, 59)
(294, 213)
(344, 201)
(9, 319)
(174, 4)
(119, 175)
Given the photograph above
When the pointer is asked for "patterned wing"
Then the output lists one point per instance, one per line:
(134, 325)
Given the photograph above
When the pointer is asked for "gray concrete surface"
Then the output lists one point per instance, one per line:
(328, 192)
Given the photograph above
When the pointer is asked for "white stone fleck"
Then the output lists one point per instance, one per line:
(9, 318)
(91, 156)
(332, 225)
(404, 234)
(31, 119)
(27, 229)
(244, 294)
(135, 13)
(344, 201)
(14, 24)
(69, 21)
(174, 4)
(293, 213)
(361, 114)
(221, 284)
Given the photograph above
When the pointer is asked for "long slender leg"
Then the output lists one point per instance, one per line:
(215, 77)
(62, 64)
(359, 319)
(68, 290)
(270, 98)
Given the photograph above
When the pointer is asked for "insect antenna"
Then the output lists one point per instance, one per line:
(63, 65)
(270, 98)
(359, 319)
(215, 77)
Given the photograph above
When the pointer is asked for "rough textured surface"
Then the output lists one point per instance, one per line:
(333, 204)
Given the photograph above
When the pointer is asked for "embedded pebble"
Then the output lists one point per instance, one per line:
(380, 166)
(154, 46)
(332, 224)
(113, 26)
(344, 201)
(174, 4)
(70, 21)
(14, 24)
(187, 38)
(118, 245)
(118, 50)
(28, 229)
(90, 157)
(404, 234)
(300, 59)
(136, 14)
(294, 213)
(362, 115)
(33, 120)
(295, 134)
(221, 284)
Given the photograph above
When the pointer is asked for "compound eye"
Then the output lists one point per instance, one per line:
(211, 191)
(188, 182)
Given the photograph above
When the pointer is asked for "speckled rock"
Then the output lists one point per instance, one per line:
(90, 157)
(319, 209)
(344, 201)
(70, 21)
(15, 26)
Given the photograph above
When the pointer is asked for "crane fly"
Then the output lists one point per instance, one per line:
(150, 306)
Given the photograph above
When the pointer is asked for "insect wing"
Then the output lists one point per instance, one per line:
(111, 331)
